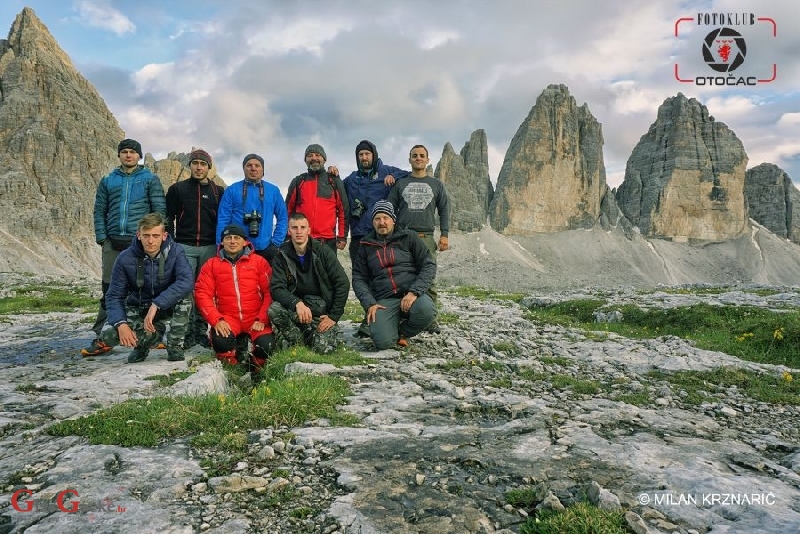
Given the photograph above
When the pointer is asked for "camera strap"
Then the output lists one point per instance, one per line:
(260, 192)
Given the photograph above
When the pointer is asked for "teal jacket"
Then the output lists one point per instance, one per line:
(122, 199)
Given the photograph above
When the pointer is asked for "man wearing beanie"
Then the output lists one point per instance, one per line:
(322, 198)
(391, 276)
(257, 206)
(123, 197)
(370, 182)
(232, 294)
(192, 207)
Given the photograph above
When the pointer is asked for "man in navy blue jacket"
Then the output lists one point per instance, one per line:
(149, 279)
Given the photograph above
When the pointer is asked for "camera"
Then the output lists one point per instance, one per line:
(252, 221)
(358, 208)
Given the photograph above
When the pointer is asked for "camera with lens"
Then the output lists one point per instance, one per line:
(252, 220)
(358, 208)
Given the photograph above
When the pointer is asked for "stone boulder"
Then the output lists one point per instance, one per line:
(466, 176)
(773, 200)
(685, 177)
(57, 140)
(553, 176)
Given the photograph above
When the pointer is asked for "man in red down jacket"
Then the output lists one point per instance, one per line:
(232, 293)
(322, 198)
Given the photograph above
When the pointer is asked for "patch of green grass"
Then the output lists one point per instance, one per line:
(580, 518)
(503, 382)
(636, 398)
(343, 356)
(555, 360)
(481, 293)
(353, 311)
(568, 313)
(49, 298)
(577, 385)
(747, 332)
(168, 380)
(782, 389)
(505, 346)
(448, 318)
(214, 420)
(302, 512)
(524, 498)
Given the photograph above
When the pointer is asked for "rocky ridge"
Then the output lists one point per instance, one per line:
(685, 178)
(773, 200)
(446, 429)
(466, 176)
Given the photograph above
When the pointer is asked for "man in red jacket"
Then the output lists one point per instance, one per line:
(321, 197)
(232, 293)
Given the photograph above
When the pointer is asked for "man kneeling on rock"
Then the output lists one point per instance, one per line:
(391, 275)
(309, 289)
(232, 293)
(150, 278)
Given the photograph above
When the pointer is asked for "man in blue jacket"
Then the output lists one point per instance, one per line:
(123, 196)
(391, 276)
(149, 279)
(370, 183)
(257, 206)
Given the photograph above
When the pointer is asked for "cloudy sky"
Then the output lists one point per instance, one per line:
(273, 76)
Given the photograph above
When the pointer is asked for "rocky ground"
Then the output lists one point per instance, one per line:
(447, 428)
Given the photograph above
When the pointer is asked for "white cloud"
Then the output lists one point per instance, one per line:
(101, 15)
(305, 34)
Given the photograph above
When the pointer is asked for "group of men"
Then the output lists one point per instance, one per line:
(229, 266)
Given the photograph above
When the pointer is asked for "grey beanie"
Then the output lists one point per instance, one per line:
(316, 149)
(252, 156)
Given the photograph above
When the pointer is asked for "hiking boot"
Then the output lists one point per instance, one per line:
(433, 328)
(175, 355)
(363, 330)
(204, 342)
(402, 342)
(96, 348)
(138, 355)
(189, 341)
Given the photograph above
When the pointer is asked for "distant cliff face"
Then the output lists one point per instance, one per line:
(553, 176)
(685, 177)
(466, 176)
(57, 140)
(773, 201)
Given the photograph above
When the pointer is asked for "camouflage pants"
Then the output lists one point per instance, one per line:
(196, 325)
(289, 331)
(163, 319)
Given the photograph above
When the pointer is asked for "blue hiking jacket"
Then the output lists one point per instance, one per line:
(123, 199)
(272, 209)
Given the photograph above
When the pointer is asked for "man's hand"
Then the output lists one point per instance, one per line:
(334, 170)
(148, 319)
(325, 323)
(303, 313)
(444, 244)
(257, 326)
(407, 301)
(341, 243)
(222, 328)
(389, 180)
(127, 337)
(373, 311)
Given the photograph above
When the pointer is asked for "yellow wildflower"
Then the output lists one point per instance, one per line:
(778, 333)
(787, 376)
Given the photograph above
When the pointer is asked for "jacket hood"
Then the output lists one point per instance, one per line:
(372, 148)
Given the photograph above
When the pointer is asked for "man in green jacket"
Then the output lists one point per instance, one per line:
(309, 290)
(123, 197)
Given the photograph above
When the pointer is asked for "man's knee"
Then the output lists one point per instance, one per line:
(222, 344)
(264, 346)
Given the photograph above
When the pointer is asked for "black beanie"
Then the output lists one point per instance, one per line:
(233, 229)
(131, 144)
(316, 149)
